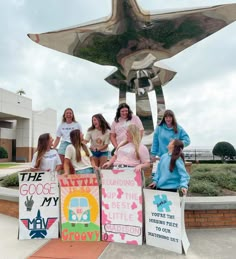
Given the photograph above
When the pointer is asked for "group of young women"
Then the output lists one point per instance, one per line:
(125, 134)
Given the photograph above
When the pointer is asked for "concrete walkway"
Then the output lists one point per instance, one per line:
(13, 169)
(204, 244)
(10, 246)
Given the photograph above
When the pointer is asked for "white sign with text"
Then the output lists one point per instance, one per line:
(38, 205)
(164, 224)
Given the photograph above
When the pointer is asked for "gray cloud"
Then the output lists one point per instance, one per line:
(202, 94)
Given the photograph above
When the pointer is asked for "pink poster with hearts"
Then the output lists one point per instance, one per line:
(122, 216)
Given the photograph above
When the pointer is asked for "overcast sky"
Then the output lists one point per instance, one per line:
(202, 94)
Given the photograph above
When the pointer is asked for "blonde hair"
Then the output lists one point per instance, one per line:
(136, 138)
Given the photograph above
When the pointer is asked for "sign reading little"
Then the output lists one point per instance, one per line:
(163, 220)
(38, 205)
(80, 218)
(122, 218)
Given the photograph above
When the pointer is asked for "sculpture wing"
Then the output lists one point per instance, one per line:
(130, 33)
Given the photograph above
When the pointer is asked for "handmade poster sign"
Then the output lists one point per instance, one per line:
(80, 218)
(38, 205)
(122, 217)
(164, 221)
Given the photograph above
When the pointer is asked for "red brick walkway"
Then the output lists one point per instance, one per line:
(58, 249)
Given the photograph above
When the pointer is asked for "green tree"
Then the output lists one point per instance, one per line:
(3, 153)
(224, 150)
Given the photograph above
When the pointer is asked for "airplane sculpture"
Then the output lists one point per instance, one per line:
(134, 41)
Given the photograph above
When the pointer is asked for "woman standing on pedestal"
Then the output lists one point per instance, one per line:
(63, 132)
(99, 136)
(167, 130)
(124, 117)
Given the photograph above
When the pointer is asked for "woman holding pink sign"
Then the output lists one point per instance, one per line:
(130, 153)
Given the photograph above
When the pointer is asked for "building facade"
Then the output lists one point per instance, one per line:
(20, 126)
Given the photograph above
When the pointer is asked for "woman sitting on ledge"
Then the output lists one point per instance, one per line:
(45, 158)
(171, 174)
(78, 155)
(130, 153)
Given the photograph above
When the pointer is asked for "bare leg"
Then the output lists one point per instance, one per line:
(102, 160)
(96, 161)
(72, 170)
(62, 161)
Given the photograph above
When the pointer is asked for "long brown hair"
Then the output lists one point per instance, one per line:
(121, 106)
(42, 148)
(102, 123)
(77, 143)
(176, 153)
(64, 115)
(174, 121)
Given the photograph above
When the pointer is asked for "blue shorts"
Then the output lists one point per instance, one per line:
(100, 153)
(62, 147)
(88, 170)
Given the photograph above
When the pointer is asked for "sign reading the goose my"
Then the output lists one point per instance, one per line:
(122, 217)
(38, 205)
(164, 218)
(80, 218)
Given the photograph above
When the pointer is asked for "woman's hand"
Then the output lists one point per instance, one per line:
(153, 159)
(184, 191)
(95, 168)
(138, 168)
(106, 165)
(152, 185)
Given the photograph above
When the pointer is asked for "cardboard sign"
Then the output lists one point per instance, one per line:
(38, 205)
(80, 210)
(122, 216)
(164, 222)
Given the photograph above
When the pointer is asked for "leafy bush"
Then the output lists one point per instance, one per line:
(224, 179)
(10, 180)
(3, 153)
(211, 179)
(204, 187)
(224, 150)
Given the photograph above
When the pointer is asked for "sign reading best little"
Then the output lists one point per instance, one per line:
(122, 217)
(38, 205)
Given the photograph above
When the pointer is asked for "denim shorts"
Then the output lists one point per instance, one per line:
(88, 170)
(62, 147)
(99, 153)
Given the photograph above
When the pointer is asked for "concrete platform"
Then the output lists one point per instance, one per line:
(217, 243)
(204, 244)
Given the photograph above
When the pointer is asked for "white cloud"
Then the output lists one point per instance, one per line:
(202, 94)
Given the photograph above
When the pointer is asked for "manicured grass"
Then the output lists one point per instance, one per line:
(6, 165)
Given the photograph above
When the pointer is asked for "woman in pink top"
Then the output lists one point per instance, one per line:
(124, 117)
(130, 153)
